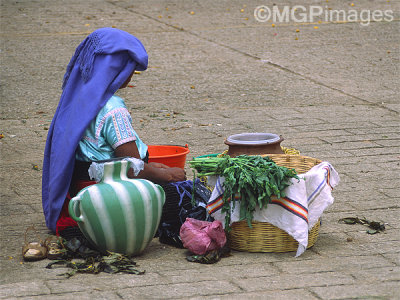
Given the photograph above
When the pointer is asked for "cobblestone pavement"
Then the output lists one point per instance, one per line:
(330, 88)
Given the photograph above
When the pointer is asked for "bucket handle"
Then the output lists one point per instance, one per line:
(74, 209)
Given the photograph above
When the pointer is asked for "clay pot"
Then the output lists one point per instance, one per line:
(254, 144)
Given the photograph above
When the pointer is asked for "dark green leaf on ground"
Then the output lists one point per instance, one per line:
(113, 263)
(374, 226)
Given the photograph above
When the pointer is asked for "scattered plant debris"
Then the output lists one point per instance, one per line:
(92, 261)
(113, 263)
(374, 226)
(211, 257)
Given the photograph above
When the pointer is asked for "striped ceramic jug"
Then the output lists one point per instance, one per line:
(119, 214)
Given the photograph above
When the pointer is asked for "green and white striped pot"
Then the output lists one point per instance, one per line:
(119, 214)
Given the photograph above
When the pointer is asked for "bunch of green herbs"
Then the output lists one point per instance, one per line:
(254, 179)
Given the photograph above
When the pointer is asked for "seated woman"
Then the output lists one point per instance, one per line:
(93, 124)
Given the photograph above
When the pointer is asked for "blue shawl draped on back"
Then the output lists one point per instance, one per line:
(100, 65)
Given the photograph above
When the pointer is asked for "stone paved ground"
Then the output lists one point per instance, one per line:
(331, 91)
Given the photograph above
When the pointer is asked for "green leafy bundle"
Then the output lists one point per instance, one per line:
(253, 178)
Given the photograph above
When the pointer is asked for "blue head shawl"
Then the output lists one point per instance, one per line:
(100, 65)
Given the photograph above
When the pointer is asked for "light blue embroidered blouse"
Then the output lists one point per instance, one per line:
(111, 128)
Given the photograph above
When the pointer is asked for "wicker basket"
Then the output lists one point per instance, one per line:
(263, 236)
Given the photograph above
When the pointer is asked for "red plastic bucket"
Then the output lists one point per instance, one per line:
(172, 156)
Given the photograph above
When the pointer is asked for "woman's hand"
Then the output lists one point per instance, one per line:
(162, 174)
(175, 174)
(158, 165)
(168, 174)
(156, 172)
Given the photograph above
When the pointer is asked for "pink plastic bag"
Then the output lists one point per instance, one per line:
(201, 237)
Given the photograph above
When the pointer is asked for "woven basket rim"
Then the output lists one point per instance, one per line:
(292, 155)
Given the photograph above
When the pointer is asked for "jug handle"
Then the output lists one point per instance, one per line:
(162, 193)
(74, 209)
